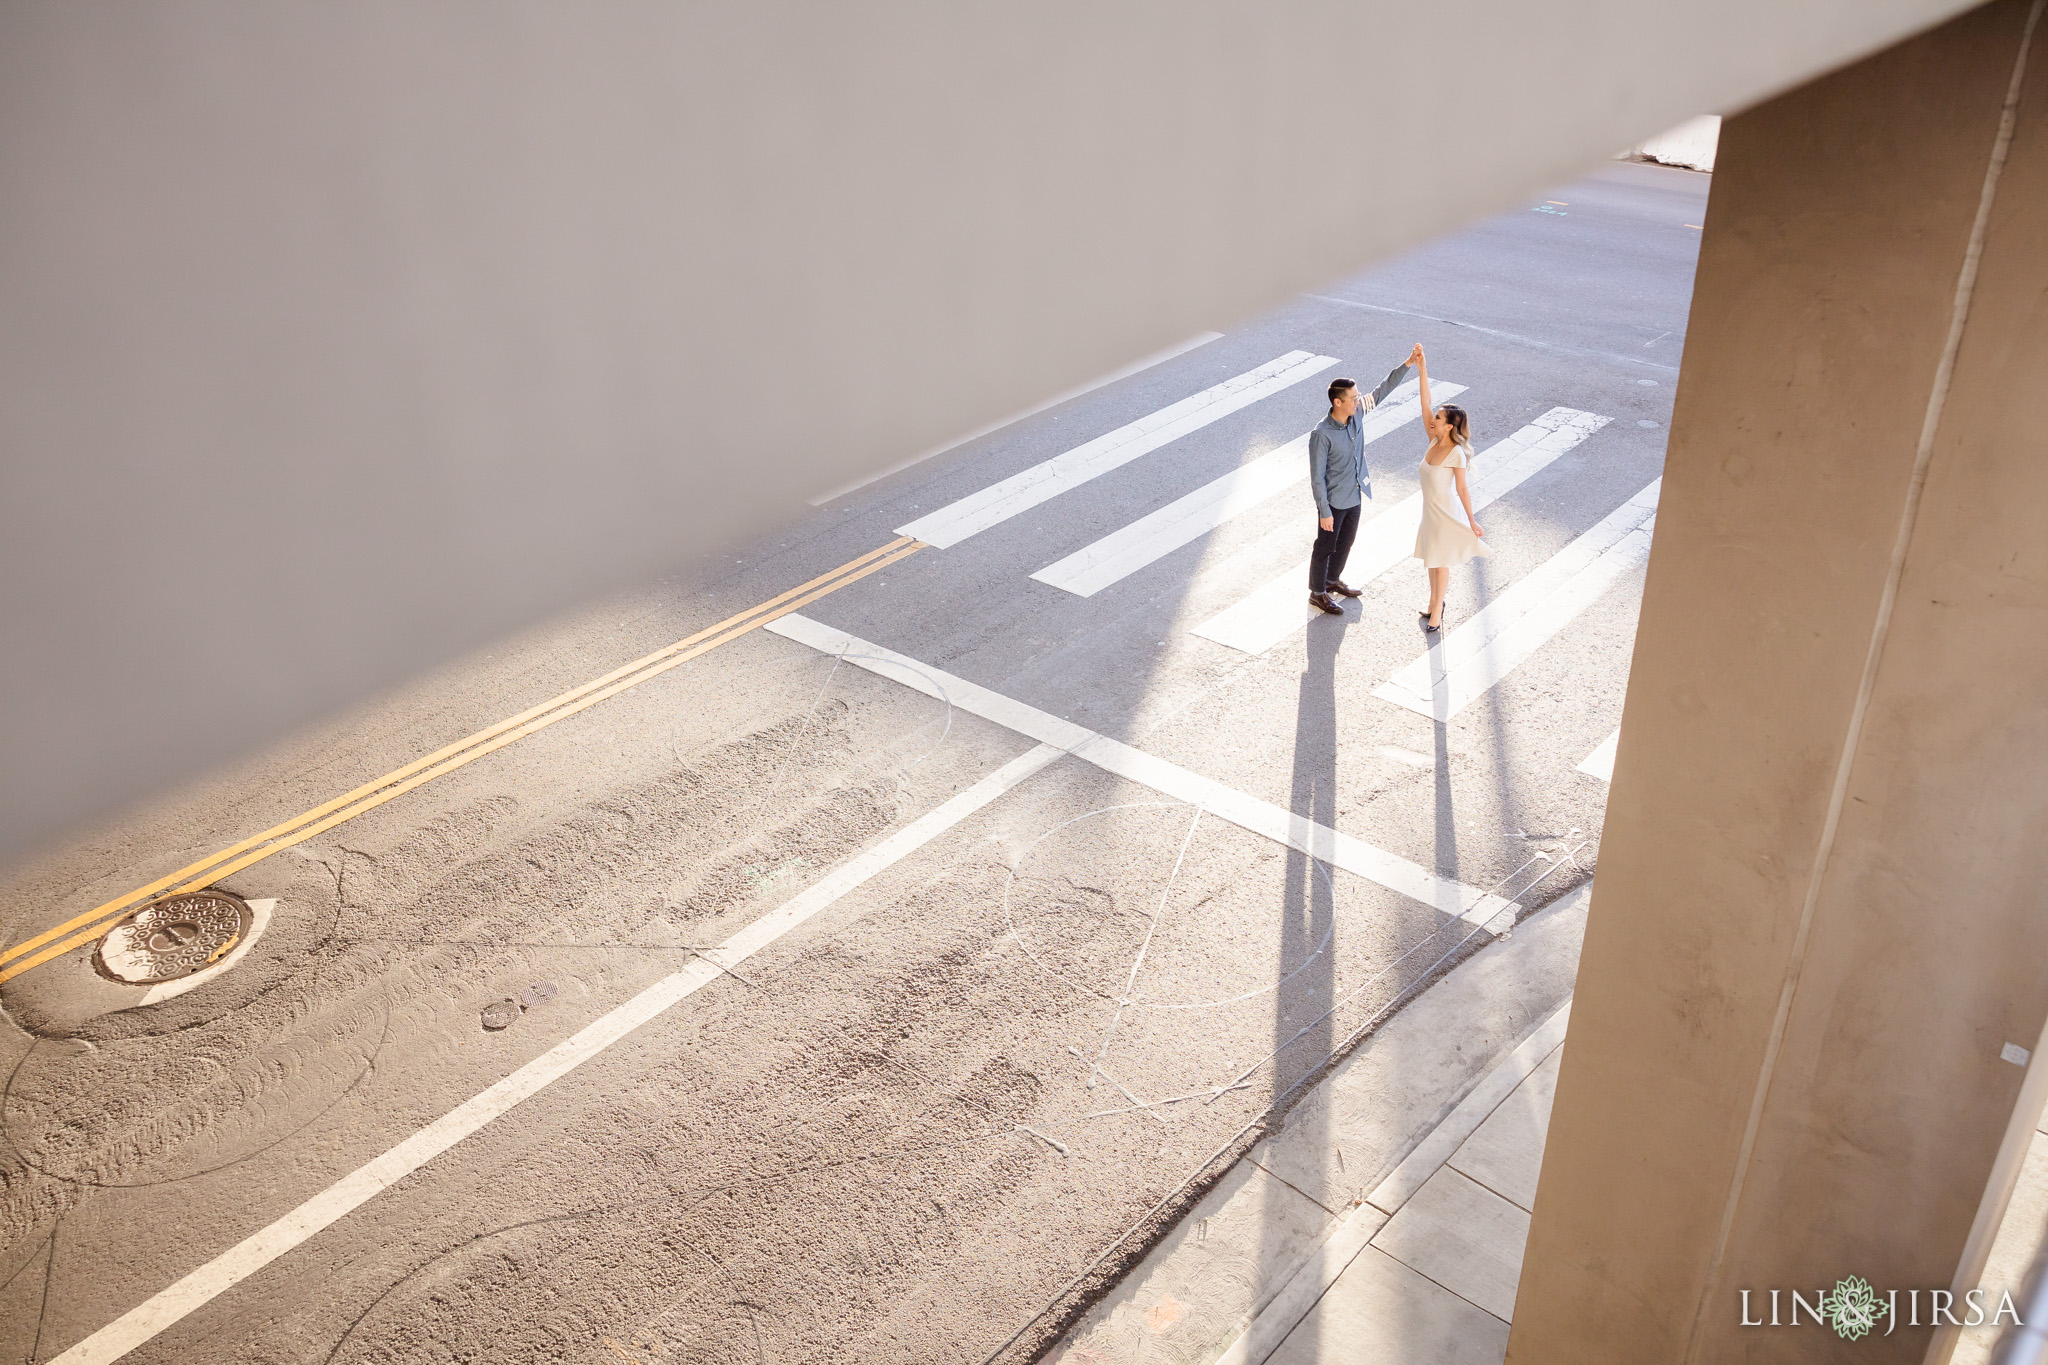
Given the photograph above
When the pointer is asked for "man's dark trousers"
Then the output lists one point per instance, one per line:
(1326, 563)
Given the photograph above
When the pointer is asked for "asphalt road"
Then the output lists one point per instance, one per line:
(1034, 906)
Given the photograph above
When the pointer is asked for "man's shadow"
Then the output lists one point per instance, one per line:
(1303, 1029)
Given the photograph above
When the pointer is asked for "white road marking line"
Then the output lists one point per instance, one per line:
(1600, 763)
(1458, 670)
(1276, 610)
(1092, 568)
(1135, 367)
(352, 1191)
(953, 523)
(1446, 895)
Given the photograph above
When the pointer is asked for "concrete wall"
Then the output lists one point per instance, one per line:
(338, 336)
(1820, 906)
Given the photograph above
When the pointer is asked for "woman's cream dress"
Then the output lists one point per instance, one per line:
(1444, 538)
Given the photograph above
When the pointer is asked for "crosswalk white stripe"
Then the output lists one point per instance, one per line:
(1446, 895)
(1094, 567)
(1600, 763)
(1465, 644)
(1456, 671)
(1125, 372)
(1275, 610)
(956, 521)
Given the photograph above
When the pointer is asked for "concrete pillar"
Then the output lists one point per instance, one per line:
(1822, 903)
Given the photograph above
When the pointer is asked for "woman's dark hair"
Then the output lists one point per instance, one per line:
(1461, 425)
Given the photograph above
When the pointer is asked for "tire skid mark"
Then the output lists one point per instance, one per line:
(607, 867)
(683, 1199)
(821, 813)
(7, 1094)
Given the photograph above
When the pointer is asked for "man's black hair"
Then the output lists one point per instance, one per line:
(1337, 387)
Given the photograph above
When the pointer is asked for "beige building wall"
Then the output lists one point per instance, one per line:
(1823, 896)
(342, 336)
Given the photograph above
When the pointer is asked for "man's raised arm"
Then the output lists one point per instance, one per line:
(1390, 383)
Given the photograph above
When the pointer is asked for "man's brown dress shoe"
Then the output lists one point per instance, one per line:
(1341, 589)
(1328, 604)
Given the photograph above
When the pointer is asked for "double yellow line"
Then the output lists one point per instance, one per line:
(85, 928)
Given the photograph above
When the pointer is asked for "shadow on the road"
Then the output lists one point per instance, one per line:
(1308, 913)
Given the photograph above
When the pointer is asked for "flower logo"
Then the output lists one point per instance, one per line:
(1853, 1309)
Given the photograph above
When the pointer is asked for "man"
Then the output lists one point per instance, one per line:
(1339, 479)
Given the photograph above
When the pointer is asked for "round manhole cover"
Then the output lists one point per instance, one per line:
(173, 936)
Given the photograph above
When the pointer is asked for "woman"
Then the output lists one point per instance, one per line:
(1444, 538)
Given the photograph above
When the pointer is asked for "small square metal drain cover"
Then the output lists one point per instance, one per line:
(172, 937)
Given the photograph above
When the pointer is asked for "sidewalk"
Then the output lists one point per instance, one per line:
(1386, 1221)
(2019, 1239)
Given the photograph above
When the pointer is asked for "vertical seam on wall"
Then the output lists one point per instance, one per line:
(1944, 373)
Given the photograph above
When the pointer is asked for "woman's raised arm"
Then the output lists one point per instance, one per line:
(1421, 363)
